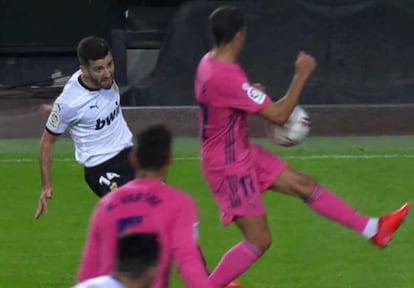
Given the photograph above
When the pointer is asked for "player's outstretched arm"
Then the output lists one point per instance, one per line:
(45, 162)
(278, 112)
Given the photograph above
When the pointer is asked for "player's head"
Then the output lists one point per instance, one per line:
(137, 256)
(153, 148)
(227, 26)
(96, 62)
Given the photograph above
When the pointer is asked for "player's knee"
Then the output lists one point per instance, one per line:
(265, 242)
(262, 241)
(305, 186)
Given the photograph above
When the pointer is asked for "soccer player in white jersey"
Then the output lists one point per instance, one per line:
(89, 109)
(136, 263)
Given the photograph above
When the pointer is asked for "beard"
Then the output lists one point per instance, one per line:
(101, 83)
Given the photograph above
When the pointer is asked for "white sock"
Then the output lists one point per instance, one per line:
(371, 228)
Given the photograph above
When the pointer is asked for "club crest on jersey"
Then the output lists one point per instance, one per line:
(254, 94)
(101, 123)
(116, 88)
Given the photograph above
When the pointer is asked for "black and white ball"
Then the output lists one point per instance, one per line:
(295, 130)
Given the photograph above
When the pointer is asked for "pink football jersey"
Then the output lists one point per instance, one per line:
(146, 205)
(225, 96)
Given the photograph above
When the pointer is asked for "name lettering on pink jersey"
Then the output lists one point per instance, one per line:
(151, 199)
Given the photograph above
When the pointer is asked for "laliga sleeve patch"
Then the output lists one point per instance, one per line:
(54, 119)
(254, 94)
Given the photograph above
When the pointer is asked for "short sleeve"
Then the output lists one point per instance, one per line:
(60, 118)
(236, 92)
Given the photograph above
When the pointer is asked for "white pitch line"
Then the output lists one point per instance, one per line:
(329, 156)
(340, 156)
(298, 157)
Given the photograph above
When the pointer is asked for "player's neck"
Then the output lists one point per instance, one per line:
(152, 174)
(224, 54)
(85, 81)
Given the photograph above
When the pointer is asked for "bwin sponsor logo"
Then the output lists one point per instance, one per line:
(101, 123)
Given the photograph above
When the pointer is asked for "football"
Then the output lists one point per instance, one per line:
(295, 130)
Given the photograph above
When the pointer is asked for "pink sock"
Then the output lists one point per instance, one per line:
(330, 206)
(236, 260)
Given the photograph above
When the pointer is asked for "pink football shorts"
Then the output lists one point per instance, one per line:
(237, 189)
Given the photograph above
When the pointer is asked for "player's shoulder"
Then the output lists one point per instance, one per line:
(72, 83)
(111, 197)
(74, 94)
(205, 59)
(116, 194)
(180, 196)
(226, 74)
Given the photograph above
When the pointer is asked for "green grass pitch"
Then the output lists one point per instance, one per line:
(373, 174)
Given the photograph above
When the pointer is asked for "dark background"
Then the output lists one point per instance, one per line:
(28, 26)
(364, 49)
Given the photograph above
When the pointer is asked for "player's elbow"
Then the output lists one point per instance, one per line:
(280, 119)
(275, 113)
(47, 138)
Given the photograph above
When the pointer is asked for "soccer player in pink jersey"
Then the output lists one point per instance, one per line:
(136, 263)
(238, 170)
(147, 204)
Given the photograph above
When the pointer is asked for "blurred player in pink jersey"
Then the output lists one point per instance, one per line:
(135, 265)
(238, 171)
(148, 205)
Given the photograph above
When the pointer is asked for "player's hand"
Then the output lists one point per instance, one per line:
(304, 64)
(45, 195)
(44, 110)
(259, 86)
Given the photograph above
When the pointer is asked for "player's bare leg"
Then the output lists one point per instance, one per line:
(328, 205)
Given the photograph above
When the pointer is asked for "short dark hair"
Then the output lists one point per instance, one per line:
(92, 48)
(154, 147)
(225, 22)
(136, 252)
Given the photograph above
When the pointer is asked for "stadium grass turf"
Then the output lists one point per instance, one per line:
(373, 174)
